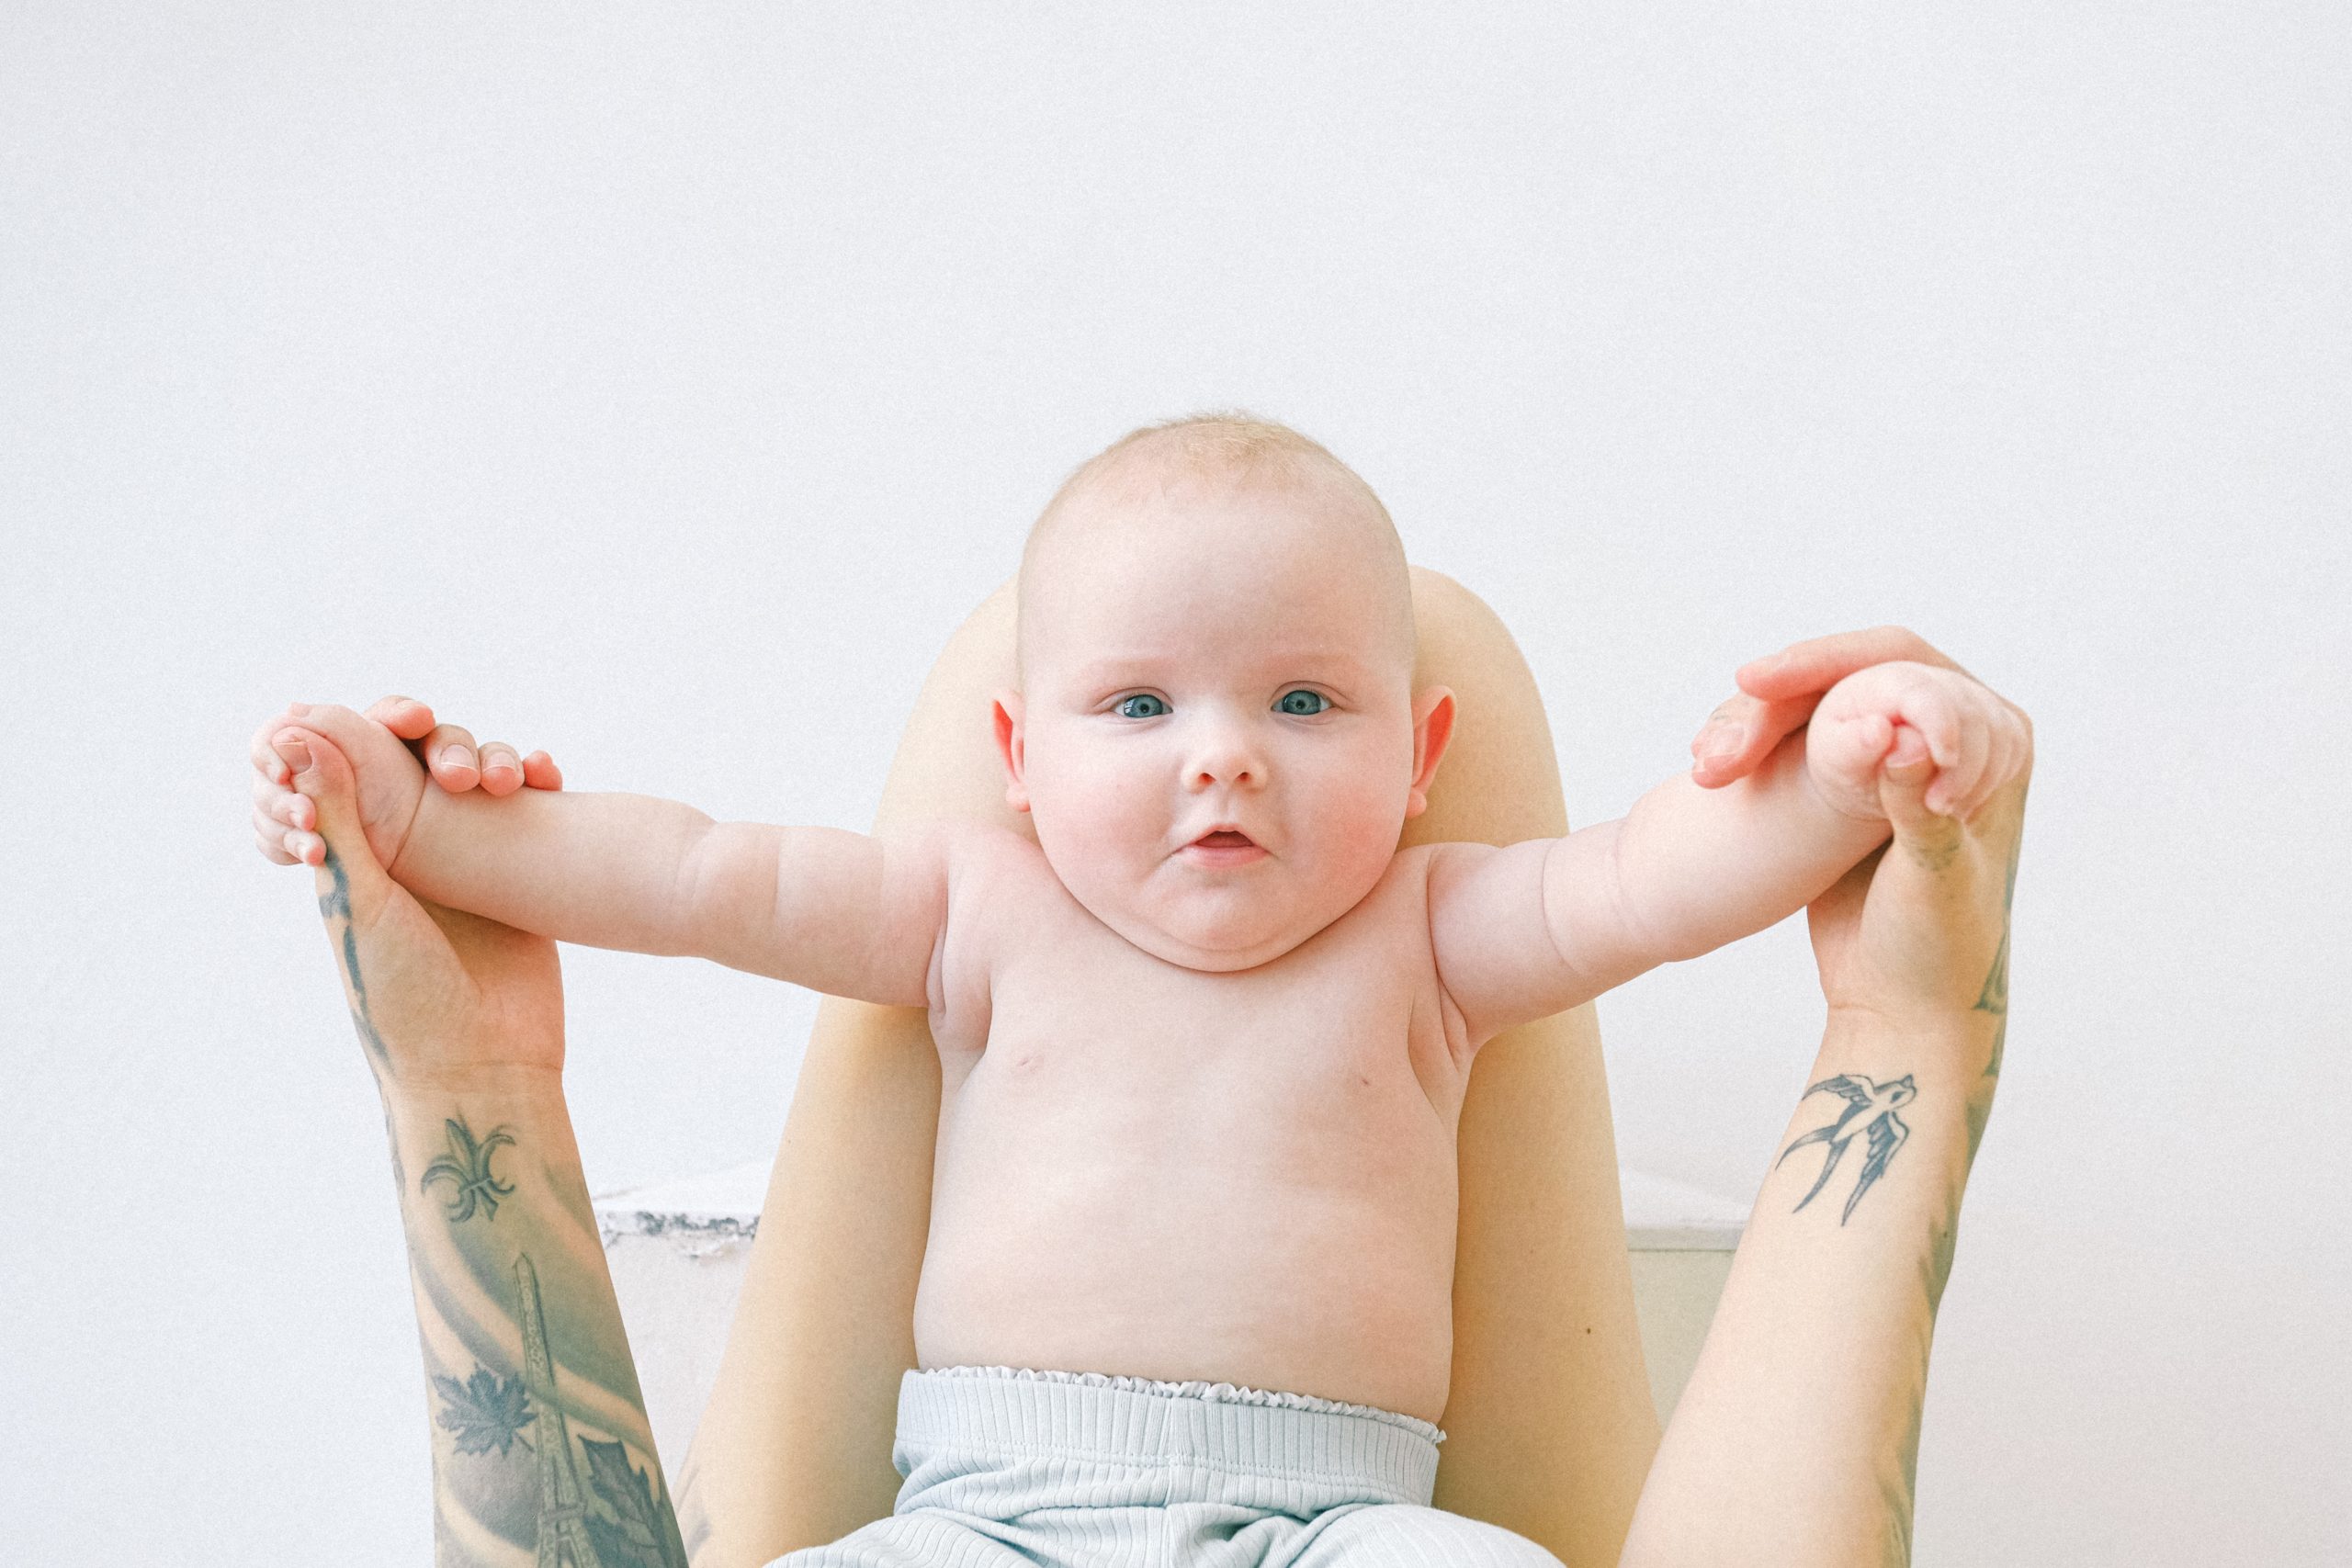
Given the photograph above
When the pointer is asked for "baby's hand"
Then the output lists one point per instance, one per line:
(1892, 713)
(384, 745)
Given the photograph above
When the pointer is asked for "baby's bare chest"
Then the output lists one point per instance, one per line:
(1332, 1062)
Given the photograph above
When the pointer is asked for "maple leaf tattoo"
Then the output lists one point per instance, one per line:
(1870, 1113)
(637, 1527)
(485, 1411)
(467, 1167)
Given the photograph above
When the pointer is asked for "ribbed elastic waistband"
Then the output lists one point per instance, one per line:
(1131, 1440)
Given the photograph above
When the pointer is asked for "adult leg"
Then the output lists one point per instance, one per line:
(793, 1448)
(1550, 1427)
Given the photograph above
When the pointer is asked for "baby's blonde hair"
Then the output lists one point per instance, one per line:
(1228, 446)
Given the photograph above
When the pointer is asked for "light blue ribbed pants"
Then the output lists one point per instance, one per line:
(1012, 1469)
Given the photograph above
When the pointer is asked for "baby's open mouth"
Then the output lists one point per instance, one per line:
(1224, 839)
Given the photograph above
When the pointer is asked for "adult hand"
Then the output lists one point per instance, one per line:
(285, 823)
(440, 998)
(1778, 692)
(1922, 925)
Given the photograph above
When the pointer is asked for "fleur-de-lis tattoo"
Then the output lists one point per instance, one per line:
(467, 1167)
(1870, 1111)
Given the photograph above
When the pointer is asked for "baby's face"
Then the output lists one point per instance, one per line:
(1217, 734)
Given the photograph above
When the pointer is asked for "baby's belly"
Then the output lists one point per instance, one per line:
(1314, 1256)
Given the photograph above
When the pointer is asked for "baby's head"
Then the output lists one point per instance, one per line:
(1217, 730)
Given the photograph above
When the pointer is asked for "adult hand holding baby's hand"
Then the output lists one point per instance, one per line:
(1918, 931)
(440, 998)
(1919, 926)
(385, 745)
(1909, 714)
(1783, 691)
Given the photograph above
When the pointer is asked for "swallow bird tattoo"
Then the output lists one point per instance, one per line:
(1870, 1113)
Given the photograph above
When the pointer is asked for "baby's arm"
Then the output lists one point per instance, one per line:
(836, 911)
(1529, 930)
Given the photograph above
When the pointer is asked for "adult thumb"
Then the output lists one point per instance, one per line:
(1931, 838)
(350, 883)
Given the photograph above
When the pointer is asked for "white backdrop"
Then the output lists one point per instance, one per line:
(662, 388)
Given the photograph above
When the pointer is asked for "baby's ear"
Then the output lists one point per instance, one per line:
(1006, 714)
(1433, 731)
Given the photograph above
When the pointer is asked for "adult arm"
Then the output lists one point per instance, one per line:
(1796, 1440)
(538, 1426)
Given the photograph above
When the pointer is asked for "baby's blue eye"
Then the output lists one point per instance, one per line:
(1302, 703)
(1155, 707)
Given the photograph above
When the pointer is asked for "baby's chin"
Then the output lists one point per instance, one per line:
(1217, 935)
(1211, 949)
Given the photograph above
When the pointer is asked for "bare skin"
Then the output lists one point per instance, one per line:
(1549, 1422)
(1549, 1418)
(1213, 986)
(1796, 1440)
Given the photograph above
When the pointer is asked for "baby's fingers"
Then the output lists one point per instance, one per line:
(1842, 753)
(404, 716)
(1957, 781)
(2010, 748)
(266, 763)
(269, 837)
(275, 803)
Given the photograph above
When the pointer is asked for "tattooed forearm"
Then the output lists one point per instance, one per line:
(541, 1446)
(1898, 1474)
(334, 903)
(1869, 1114)
(467, 1168)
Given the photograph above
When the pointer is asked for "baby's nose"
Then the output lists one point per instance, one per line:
(1228, 759)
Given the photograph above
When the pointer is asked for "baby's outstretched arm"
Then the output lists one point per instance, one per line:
(836, 911)
(1531, 929)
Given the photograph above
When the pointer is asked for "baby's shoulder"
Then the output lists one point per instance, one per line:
(1399, 900)
(986, 865)
(973, 848)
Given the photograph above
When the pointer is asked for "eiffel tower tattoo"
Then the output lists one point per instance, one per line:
(564, 1541)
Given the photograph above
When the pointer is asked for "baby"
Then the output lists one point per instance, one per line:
(1203, 1045)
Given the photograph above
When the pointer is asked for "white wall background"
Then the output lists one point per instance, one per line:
(661, 387)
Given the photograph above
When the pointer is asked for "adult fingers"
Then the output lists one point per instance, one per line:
(539, 772)
(1742, 732)
(276, 796)
(1929, 838)
(502, 770)
(1818, 663)
(349, 882)
(450, 757)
